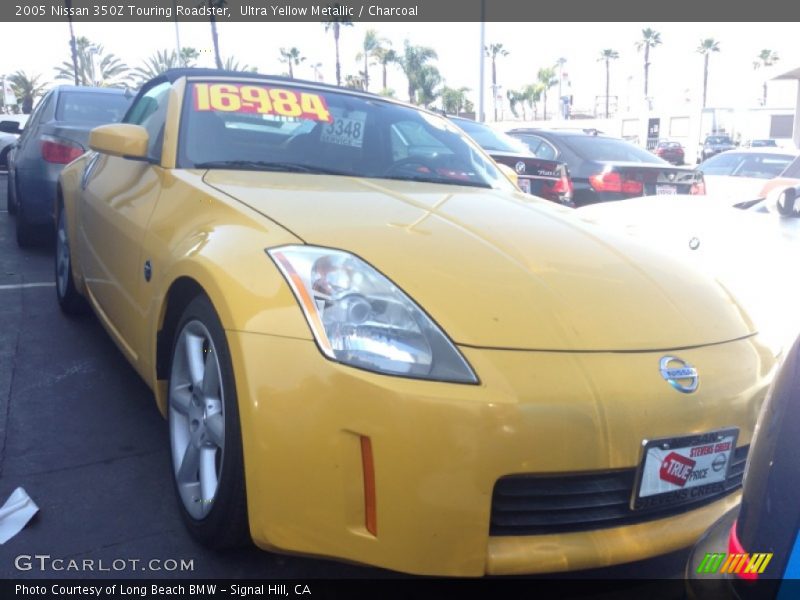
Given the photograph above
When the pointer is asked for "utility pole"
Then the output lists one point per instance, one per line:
(177, 36)
(482, 84)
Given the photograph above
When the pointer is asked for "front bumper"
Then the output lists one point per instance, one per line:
(439, 449)
(711, 585)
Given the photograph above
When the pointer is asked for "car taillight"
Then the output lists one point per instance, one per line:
(660, 151)
(610, 181)
(563, 187)
(735, 548)
(698, 189)
(57, 150)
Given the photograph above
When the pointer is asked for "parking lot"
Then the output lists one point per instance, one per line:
(80, 432)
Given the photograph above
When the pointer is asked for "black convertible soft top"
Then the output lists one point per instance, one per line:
(173, 75)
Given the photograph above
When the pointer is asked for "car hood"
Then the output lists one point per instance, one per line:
(500, 270)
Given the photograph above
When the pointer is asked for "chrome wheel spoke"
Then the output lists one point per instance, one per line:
(211, 375)
(208, 475)
(181, 399)
(215, 430)
(195, 358)
(187, 472)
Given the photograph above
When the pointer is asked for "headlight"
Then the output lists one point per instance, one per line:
(360, 318)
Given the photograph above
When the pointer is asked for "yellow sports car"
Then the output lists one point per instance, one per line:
(370, 346)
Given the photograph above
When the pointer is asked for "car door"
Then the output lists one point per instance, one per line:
(118, 198)
(26, 147)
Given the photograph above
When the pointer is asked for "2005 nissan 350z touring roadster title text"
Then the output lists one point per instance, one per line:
(370, 345)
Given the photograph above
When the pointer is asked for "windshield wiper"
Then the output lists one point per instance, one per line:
(262, 165)
(436, 180)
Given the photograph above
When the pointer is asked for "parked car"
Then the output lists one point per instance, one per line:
(739, 175)
(10, 128)
(753, 552)
(767, 143)
(749, 251)
(55, 134)
(411, 369)
(604, 168)
(713, 145)
(672, 152)
(548, 179)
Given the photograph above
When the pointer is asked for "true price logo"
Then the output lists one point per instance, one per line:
(676, 469)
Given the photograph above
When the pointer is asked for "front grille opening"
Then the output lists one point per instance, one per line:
(536, 505)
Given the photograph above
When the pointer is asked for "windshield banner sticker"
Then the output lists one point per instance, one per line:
(260, 99)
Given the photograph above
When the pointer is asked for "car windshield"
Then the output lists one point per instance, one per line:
(281, 126)
(91, 107)
(746, 164)
(763, 144)
(606, 149)
(718, 139)
(793, 169)
(491, 140)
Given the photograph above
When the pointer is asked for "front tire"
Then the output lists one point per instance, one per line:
(205, 432)
(69, 299)
(787, 203)
(26, 232)
(11, 197)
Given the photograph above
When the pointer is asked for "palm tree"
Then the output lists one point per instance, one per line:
(429, 79)
(27, 89)
(73, 44)
(291, 57)
(412, 62)
(532, 94)
(607, 56)
(706, 47)
(188, 56)
(335, 26)
(214, 4)
(515, 97)
(493, 51)
(164, 60)
(454, 100)
(371, 47)
(231, 64)
(765, 58)
(95, 66)
(384, 56)
(547, 78)
(650, 39)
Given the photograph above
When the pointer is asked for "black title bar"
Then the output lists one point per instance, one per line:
(399, 10)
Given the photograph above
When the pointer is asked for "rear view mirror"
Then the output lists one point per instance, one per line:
(125, 140)
(509, 173)
(10, 127)
(787, 202)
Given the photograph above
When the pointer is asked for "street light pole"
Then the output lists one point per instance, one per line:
(482, 84)
(177, 35)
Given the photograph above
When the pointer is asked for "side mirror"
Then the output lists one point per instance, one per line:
(10, 127)
(509, 173)
(120, 139)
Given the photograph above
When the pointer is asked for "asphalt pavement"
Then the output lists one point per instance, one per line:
(81, 433)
